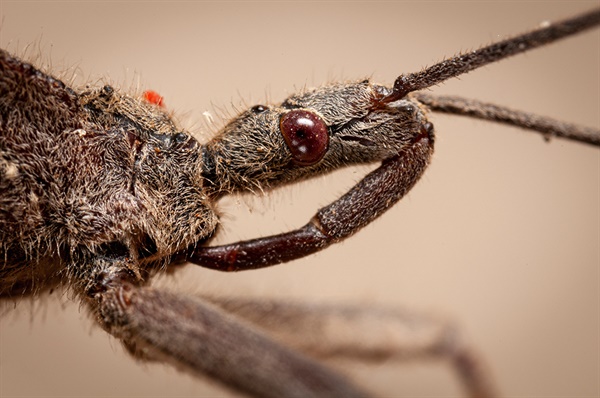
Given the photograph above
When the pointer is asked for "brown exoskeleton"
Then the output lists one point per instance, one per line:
(129, 249)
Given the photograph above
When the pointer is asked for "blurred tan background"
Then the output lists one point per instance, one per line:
(502, 233)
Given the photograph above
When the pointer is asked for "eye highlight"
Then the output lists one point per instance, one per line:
(306, 136)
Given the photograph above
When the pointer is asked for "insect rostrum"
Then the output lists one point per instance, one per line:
(101, 191)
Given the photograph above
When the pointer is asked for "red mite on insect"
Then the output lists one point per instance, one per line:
(153, 97)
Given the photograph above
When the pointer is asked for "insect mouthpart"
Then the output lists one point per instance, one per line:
(386, 128)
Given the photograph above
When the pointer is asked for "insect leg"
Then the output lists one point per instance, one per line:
(365, 332)
(198, 337)
(367, 200)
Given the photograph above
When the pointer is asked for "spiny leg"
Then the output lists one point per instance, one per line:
(198, 337)
(367, 333)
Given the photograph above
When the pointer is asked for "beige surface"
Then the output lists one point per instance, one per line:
(501, 234)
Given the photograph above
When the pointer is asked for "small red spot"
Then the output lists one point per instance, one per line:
(153, 97)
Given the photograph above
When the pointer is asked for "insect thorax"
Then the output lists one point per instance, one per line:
(117, 173)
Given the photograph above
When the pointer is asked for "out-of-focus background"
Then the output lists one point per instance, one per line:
(501, 234)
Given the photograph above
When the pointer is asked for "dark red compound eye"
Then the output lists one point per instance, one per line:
(305, 135)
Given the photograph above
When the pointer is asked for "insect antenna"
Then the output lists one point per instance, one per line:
(466, 62)
(482, 110)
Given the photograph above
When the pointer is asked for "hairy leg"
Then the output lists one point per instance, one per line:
(198, 337)
(365, 332)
